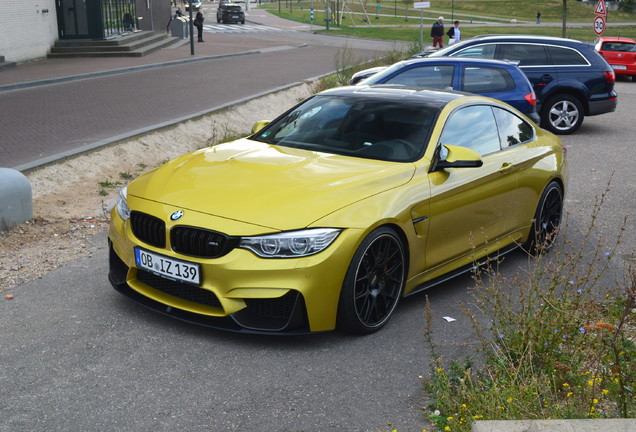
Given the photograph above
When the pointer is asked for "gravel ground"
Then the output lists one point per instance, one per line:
(72, 198)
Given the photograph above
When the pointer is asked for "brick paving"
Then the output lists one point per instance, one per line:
(42, 123)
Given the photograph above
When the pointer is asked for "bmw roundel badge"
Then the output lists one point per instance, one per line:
(176, 215)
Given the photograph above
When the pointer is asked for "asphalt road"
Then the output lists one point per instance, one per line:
(76, 355)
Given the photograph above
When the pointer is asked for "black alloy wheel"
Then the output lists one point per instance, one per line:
(373, 283)
(547, 220)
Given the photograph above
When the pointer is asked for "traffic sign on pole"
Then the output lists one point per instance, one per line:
(601, 8)
(599, 25)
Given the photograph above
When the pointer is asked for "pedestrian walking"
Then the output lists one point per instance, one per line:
(454, 34)
(437, 32)
(538, 17)
(198, 23)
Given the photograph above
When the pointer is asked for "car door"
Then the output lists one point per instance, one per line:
(494, 82)
(534, 62)
(470, 207)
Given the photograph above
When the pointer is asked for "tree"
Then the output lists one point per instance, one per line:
(565, 17)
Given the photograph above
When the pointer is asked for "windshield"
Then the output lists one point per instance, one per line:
(373, 128)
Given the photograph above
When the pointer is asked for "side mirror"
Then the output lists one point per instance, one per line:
(450, 156)
(259, 125)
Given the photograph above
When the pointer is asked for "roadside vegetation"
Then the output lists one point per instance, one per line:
(554, 342)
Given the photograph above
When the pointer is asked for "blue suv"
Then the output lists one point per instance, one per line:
(493, 78)
(570, 79)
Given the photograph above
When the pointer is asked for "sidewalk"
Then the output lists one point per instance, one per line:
(216, 45)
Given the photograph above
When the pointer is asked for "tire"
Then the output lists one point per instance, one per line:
(562, 114)
(373, 283)
(547, 220)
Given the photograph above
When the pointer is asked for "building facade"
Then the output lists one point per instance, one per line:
(29, 28)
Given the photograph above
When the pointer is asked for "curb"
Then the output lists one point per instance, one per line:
(57, 80)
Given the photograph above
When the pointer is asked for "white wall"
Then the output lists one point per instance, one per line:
(26, 33)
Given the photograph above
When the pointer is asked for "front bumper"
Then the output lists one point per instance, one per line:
(239, 291)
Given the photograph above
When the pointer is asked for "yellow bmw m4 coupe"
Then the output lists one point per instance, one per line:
(325, 217)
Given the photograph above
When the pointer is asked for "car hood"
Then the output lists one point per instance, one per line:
(276, 187)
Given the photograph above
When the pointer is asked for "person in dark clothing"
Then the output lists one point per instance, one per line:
(437, 32)
(198, 23)
(538, 17)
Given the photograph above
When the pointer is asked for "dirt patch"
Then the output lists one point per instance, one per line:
(72, 198)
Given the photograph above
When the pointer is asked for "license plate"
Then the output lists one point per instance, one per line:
(619, 67)
(235, 16)
(168, 267)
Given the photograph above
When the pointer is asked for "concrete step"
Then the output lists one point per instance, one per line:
(134, 45)
(6, 65)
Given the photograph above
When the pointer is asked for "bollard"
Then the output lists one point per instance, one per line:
(15, 198)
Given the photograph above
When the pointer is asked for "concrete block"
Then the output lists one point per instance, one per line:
(16, 198)
(587, 425)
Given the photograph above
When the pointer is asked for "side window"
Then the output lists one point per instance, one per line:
(439, 76)
(512, 129)
(480, 51)
(566, 56)
(473, 127)
(478, 79)
(527, 54)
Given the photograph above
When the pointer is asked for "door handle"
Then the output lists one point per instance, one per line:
(506, 167)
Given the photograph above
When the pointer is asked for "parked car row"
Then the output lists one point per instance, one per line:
(570, 79)
(493, 78)
(326, 216)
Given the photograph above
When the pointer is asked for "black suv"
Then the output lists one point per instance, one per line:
(570, 79)
(230, 13)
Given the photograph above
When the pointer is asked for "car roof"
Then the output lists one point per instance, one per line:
(460, 60)
(433, 98)
(529, 38)
(616, 39)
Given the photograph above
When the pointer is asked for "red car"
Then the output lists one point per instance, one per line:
(620, 53)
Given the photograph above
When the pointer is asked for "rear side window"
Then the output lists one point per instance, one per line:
(526, 54)
(479, 51)
(482, 79)
(512, 129)
(438, 76)
(566, 56)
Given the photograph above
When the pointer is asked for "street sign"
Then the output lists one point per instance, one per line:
(601, 8)
(599, 25)
(421, 5)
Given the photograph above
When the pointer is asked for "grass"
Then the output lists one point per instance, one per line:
(555, 341)
(400, 22)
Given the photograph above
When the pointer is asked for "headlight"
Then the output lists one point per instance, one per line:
(291, 244)
(122, 204)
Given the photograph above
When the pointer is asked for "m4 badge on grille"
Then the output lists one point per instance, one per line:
(176, 215)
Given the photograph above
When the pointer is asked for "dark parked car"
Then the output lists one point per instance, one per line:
(571, 80)
(493, 78)
(230, 13)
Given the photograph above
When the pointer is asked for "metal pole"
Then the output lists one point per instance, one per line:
(191, 28)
